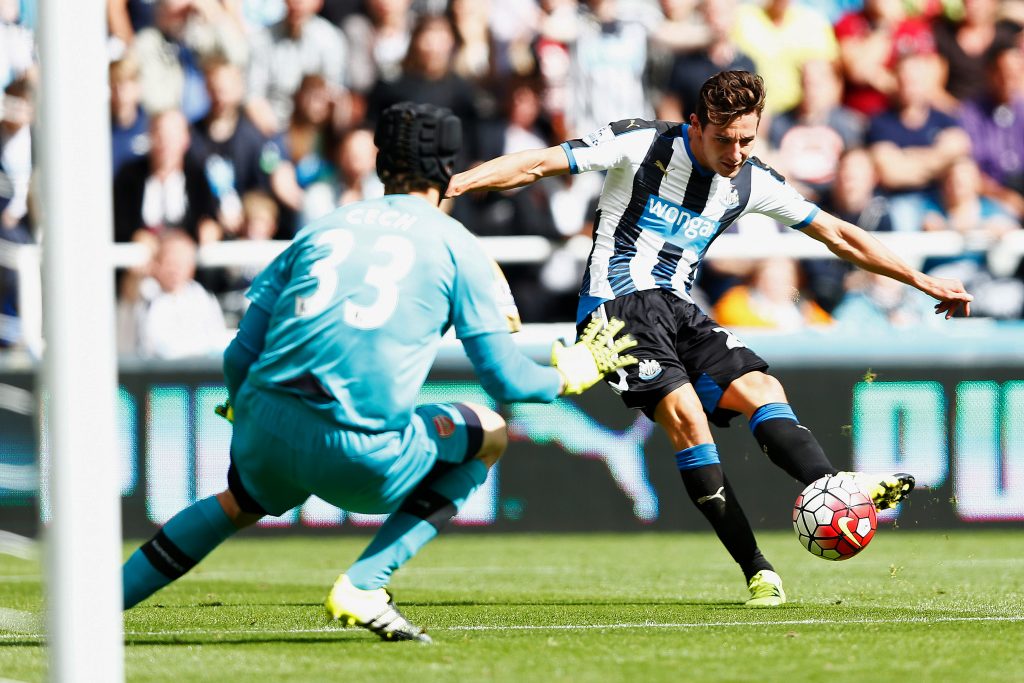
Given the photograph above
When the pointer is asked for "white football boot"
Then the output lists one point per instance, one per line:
(765, 590)
(374, 610)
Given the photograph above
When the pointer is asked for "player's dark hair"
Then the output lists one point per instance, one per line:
(728, 95)
(417, 144)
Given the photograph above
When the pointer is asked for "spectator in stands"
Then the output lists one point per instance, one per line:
(875, 302)
(982, 222)
(125, 18)
(17, 45)
(165, 189)
(865, 49)
(300, 45)
(913, 143)
(995, 123)
(692, 68)
(337, 11)
(964, 44)
(15, 176)
(235, 155)
(520, 211)
(513, 28)
(475, 57)
(129, 123)
(780, 37)
(379, 41)
(16, 159)
(854, 196)
(173, 316)
(608, 58)
(259, 14)
(680, 28)
(557, 27)
(352, 176)
(307, 144)
(428, 77)
(522, 124)
(259, 224)
(961, 207)
(771, 298)
(356, 161)
(171, 52)
(809, 139)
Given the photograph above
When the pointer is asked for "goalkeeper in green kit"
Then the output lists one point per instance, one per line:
(324, 372)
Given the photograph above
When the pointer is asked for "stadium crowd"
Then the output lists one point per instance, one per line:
(244, 119)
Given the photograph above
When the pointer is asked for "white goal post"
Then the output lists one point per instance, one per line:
(79, 487)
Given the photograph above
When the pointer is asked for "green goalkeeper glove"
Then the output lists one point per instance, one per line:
(595, 354)
(225, 410)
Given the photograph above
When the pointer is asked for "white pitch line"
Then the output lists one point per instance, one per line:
(16, 400)
(20, 621)
(570, 627)
(18, 546)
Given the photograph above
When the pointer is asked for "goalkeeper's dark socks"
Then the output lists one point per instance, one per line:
(710, 491)
(789, 444)
(419, 519)
(185, 540)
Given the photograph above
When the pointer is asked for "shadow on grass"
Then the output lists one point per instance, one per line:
(713, 604)
(325, 638)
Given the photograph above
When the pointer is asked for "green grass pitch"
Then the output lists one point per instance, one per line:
(914, 606)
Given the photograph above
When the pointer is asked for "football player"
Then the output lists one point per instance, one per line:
(323, 375)
(670, 190)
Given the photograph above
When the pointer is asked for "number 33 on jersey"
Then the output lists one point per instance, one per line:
(365, 294)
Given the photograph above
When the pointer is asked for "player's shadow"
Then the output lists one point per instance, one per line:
(718, 604)
(27, 641)
(320, 638)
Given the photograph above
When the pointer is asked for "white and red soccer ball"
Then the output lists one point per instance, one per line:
(834, 518)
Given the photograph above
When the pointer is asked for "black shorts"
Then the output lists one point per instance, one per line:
(676, 344)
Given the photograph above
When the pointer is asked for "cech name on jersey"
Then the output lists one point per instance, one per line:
(388, 218)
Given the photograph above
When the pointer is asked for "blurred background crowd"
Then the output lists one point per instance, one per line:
(241, 120)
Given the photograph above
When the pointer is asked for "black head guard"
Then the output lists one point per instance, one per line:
(417, 141)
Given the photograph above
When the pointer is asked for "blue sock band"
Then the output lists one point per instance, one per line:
(772, 411)
(697, 456)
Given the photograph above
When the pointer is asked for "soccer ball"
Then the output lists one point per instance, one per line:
(834, 518)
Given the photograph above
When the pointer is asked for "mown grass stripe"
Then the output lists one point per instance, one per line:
(568, 627)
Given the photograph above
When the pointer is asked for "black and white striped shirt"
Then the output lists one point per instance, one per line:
(660, 210)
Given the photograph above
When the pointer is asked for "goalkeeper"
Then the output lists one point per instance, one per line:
(324, 372)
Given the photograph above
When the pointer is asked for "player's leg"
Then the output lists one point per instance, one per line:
(468, 439)
(786, 442)
(661, 386)
(681, 414)
(181, 544)
(258, 484)
(438, 497)
(791, 445)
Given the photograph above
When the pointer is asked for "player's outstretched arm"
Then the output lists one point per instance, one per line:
(510, 171)
(509, 376)
(853, 244)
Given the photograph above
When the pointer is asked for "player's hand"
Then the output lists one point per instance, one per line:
(456, 186)
(597, 353)
(225, 410)
(951, 295)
